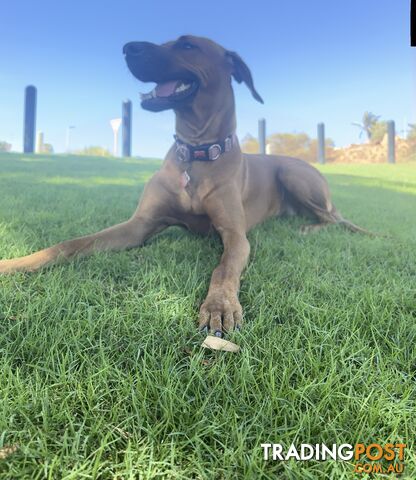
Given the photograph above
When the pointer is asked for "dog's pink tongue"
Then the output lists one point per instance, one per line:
(166, 89)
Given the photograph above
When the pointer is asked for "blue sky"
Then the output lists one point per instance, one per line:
(312, 61)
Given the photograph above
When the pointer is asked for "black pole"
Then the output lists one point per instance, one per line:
(262, 135)
(391, 156)
(321, 143)
(126, 116)
(29, 125)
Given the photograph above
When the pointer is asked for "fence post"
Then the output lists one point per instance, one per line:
(29, 123)
(262, 135)
(126, 131)
(321, 143)
(391, 154)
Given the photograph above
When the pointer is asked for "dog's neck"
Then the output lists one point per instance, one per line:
(208, 120)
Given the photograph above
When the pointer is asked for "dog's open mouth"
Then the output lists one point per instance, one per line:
(169, 94)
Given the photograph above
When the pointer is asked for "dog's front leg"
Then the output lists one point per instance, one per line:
(149, 219)
(124, 235)
(221, 310)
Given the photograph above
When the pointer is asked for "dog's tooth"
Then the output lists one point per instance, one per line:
(182, 87)
(145, 96)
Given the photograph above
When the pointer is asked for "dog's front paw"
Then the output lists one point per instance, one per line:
(220, 313)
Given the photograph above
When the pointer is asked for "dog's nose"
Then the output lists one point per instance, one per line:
(133, 48)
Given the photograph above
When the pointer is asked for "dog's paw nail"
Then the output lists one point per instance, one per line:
(204, 330)
(218, 334)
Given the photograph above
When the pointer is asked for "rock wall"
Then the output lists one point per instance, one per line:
(371, 153)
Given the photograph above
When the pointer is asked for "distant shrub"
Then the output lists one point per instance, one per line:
(95, 151)
(5, 147)
(47, 148)
(298, 145)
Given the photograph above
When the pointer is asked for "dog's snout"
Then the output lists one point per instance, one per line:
(132, 48)
(135, 49)
(145, 60)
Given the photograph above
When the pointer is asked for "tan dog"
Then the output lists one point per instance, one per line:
(205, 182)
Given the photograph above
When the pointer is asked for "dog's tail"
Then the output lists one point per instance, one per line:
(355, 228)
(338, 219)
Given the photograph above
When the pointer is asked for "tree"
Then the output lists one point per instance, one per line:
(47, 148)
(367, 123)
(298, 145)
(291, 144)
(249, 144)
(5, 147)
(411, 133)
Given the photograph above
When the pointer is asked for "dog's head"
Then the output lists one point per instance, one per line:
(185, 70)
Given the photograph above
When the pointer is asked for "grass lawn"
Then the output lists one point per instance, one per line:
(102, 373)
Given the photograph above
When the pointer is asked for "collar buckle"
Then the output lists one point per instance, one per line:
(182, 152)
(214, 151)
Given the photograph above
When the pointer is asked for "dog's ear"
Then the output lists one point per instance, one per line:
(241, 73)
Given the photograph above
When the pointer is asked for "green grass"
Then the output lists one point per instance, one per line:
(102, 373)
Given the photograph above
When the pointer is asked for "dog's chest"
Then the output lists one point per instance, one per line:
(189, 198)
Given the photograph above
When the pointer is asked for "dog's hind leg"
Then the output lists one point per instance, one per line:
(306, 191)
